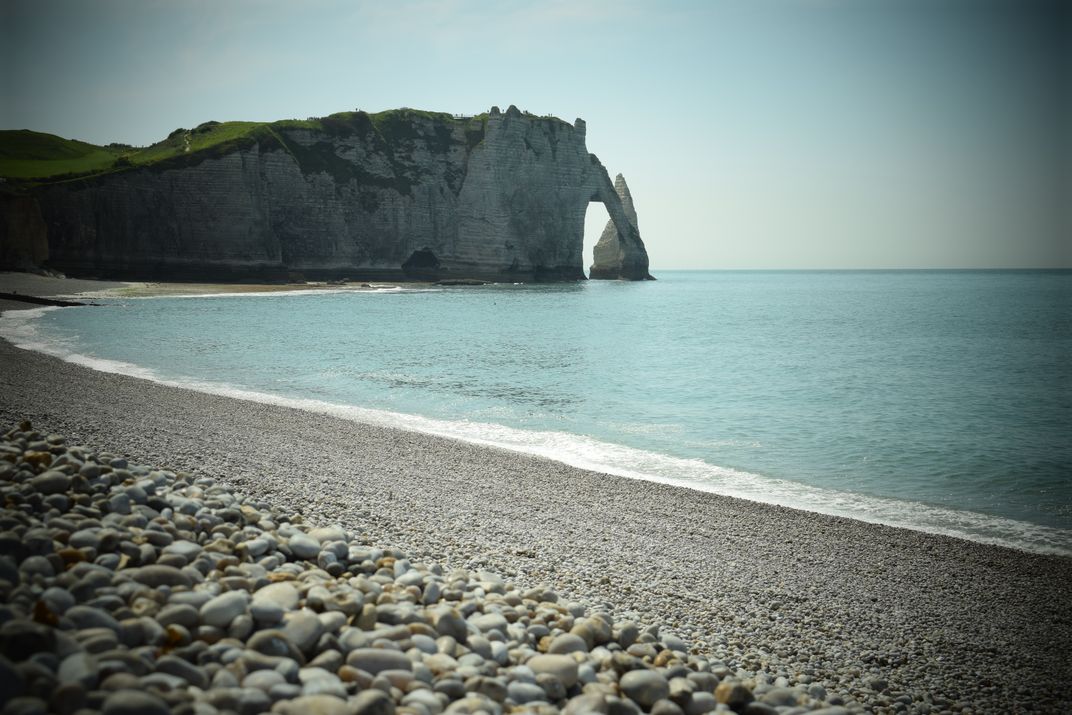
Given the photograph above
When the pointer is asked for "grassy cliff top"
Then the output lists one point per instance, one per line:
(33, 157)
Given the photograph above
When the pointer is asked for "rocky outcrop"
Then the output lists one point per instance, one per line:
(498, 197)
(620, 253)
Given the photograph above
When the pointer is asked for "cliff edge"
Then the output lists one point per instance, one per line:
(394, 195)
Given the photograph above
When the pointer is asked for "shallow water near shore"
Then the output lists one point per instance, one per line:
(940, 401)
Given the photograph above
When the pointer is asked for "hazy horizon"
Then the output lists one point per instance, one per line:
(792, 134)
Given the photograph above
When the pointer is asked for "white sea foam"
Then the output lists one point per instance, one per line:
(19, 328)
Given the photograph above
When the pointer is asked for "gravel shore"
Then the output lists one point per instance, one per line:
(879, 618)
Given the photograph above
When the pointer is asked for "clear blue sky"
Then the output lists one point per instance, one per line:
(753, 134)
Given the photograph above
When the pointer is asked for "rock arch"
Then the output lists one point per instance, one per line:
(620, 252)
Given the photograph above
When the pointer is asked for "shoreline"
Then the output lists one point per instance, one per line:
(32, 284)
(766, 588)
(961, 525)
(978, 527)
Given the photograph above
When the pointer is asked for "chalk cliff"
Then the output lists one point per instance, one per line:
(404, 194)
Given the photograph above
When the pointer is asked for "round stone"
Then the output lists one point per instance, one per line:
(256, 547)
(490, 621)
(181, 613)
(304, 546)
(37, 566)
(780, 697)
(134, 702)
(157, 575)
(265, 613)
(644, 687)
(89, 617)
(173, 665)
(317, 681)
(282, 594)
(252, 700)
(186, 549)
(26, 705)
(263, 679)
(701, 703)
(672, 642)
(522, 693)
(313, 705)
(223, 609)
(552, 686)
(303, 629)
(119, 503)
(377, 660)
(272, 642)
(450, 623)
(79, 668)
(50, 482)
(84, 538)
(568, 643)
(325, 534)
(562, 667)
(733, 693)
(669, 707)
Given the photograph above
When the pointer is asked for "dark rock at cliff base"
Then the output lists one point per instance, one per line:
(461, 282)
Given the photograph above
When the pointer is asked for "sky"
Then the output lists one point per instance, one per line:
(753, 134)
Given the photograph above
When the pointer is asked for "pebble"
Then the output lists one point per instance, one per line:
(303, 629)
(188, 550)
(644, 687)
(157, 575)
(562, 667)
(223, 609)
(522, 693)
(377, 660)
(134, 702)
(303, 546)
(568, 643)
(50, 482)
(733, 693)
(374, 702)
(81, 668)
(180, 668)
(89, 617)
(313, 705)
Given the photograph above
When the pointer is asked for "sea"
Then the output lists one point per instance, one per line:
(939, 401)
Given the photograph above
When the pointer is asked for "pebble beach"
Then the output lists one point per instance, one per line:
(163, 550)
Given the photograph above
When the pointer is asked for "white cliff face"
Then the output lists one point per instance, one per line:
(495, 198)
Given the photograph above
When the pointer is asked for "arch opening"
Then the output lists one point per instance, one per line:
(596, 217)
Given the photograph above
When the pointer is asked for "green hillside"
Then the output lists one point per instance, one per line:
(34, 157)
(30, 155)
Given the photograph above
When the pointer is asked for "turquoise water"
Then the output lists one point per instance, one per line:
(936, 400)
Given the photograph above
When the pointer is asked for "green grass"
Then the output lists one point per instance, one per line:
(206, 136)
(32, 157)
(28, 155)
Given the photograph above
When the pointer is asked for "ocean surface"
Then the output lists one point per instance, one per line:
(940, 401)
